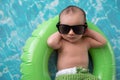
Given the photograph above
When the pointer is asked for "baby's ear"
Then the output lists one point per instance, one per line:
(85, 32)
(86, 29)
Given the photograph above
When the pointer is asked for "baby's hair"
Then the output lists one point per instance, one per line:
(72, 9)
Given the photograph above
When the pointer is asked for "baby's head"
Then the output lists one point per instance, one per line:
(72, 23)
(73, 10)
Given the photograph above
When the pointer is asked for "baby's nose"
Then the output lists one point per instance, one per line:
(71, 32)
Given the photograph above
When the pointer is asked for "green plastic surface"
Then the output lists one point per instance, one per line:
(36, 54)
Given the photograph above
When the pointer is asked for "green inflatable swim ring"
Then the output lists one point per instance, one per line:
(36, 54)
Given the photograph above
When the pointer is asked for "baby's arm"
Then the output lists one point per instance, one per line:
(54, 41)
(94, 38)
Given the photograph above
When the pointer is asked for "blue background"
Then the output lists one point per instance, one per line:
(18, 19)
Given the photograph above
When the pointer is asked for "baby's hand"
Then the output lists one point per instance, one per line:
(54, 41)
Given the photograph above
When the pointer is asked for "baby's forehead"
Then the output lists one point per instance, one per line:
(72, 19)
(77, 14)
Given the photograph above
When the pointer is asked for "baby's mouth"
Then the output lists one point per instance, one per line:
(71, 37)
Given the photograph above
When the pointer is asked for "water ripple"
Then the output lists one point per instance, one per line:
(18, 18)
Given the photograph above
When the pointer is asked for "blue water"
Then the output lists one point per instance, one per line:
(18, 18)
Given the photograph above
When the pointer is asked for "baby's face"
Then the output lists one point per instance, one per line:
(71, 20)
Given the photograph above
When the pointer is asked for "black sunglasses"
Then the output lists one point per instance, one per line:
(77, 29)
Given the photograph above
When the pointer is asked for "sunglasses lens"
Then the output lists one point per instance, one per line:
(79, 29)
(63, 29)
